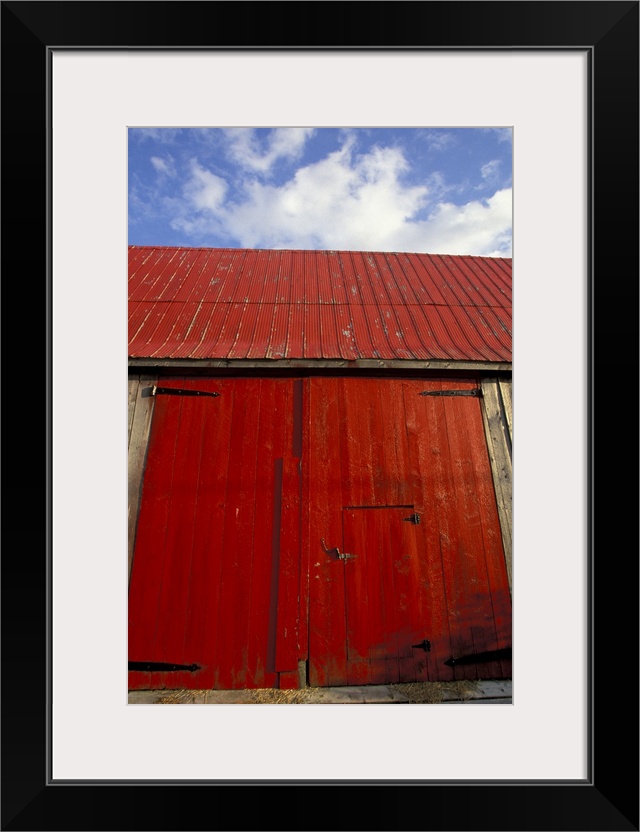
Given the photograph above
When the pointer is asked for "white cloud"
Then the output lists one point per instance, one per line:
(438, 140)
(282, 143)
(163, 166)
(200, 212)
(339, 202)
(164, 135)
(204, 190)
(490, 170)
(343, 201)
(503, 134)
(479, 227)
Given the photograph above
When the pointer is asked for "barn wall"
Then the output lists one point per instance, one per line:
(498, 425)
(496, 410)
(498, 422)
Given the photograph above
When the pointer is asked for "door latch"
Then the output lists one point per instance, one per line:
(339, 555)
(415, 519)
(424, 645)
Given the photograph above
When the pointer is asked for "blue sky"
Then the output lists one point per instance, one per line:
(435, 190)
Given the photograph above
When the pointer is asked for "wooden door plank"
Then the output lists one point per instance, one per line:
(382, 608)
(183, 578)
(176, 565)
(409, 586)
(234, 606)
(289, 573)
(379, 472)
(305, 562)
(355, 445)
(394, 443)
(427, 473)
(494, 558)
(478, 530)
(443, 497)
(204, 591)
(327, 464)
(264, 577)
(146, 576)
(359, 606)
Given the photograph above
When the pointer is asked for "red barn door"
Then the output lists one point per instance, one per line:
(349, 523)
(213, 598)
(399, 480)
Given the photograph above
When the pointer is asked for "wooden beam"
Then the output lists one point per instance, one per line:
(140, 413)
(299, 363)
(498, 434)
(134, 383)
(505, 394)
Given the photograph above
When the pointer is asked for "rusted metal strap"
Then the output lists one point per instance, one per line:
(477, 658)
(174, 391)
(150, 667)
(476, 392)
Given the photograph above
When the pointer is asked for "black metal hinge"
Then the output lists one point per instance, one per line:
(150, 667)
(424, 645)
(477, 658)
(174, 391)
(476, 392)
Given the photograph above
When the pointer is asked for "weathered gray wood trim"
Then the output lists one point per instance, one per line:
(140, 414)
(133, 395)
(498, 434)
(505, 393)
(294, 363)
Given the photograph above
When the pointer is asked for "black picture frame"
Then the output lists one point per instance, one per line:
(608, 799)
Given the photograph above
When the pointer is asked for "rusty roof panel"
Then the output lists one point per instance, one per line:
(357, 268)
(252, 303)
(361, 333)
(311, 333)
(176, 331)
(143, 280)
(138, 313)
(486, 282)
(261, 330)
(420, 274)
(248, 315)
(165, 325)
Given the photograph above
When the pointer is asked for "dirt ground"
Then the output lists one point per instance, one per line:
(418, 692)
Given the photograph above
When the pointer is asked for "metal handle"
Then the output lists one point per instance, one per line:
(339, 555)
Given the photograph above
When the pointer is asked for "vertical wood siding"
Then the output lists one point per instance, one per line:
(250, 497)
(381, 445)
(216, 574)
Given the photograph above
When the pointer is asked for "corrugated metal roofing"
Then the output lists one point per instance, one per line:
(269, 303)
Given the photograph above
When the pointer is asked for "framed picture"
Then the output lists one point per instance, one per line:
(564, 77)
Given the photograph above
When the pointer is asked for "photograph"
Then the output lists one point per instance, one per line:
(353, 462)
(320, 415)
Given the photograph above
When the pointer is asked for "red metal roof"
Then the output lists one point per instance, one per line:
(272, 303)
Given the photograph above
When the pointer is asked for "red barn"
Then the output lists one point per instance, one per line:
(319, 468)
